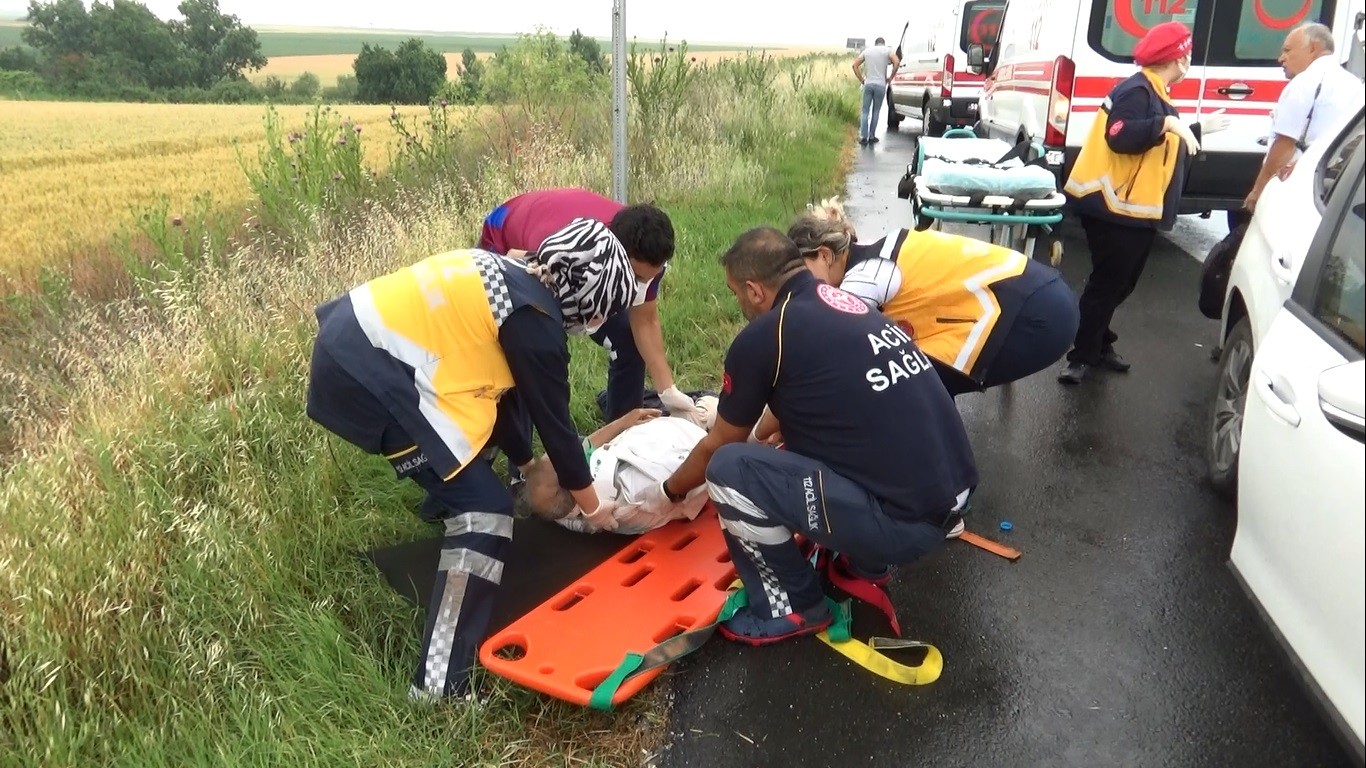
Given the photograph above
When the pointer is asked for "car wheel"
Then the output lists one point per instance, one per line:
(1225, 423)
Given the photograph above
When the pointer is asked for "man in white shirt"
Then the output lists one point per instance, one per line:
(627, 457)
(1319, 93)
(871, 69)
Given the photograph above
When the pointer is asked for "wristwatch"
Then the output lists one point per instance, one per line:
(670, 495)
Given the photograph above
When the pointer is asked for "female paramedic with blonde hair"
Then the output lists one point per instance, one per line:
(984, 314)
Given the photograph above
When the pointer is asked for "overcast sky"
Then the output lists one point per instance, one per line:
(753, 21)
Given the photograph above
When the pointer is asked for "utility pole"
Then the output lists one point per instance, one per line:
(620, 108)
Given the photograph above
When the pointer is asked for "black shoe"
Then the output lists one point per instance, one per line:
(874, 140)
(1114, 362)
(863, 142)
(1073, 373)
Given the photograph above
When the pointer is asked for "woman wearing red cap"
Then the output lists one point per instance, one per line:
(1126, 185)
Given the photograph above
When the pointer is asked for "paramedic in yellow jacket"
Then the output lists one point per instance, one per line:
(1126, 185)
(984, 314)
(430, 365)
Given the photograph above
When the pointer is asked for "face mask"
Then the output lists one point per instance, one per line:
(642, 290)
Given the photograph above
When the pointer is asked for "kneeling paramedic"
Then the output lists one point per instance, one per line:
(985, 315)
(428, 365)
(848, 385)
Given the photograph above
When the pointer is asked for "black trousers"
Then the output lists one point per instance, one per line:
(1118, 255)
(764, 495)
(1038, 336)
(473, 507)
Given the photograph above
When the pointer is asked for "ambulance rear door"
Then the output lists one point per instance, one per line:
(1240, 75)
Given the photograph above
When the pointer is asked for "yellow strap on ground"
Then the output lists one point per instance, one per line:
(867, 656)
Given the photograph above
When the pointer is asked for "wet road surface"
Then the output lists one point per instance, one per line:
(1120, 638)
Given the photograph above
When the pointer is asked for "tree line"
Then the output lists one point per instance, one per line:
(120, 50)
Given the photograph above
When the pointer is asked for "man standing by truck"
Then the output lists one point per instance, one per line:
(871, 69)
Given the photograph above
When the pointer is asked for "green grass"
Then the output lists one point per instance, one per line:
(178, 574)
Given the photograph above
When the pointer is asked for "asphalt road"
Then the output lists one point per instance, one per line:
(1120, 638)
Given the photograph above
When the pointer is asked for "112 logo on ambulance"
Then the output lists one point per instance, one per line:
(1126, 14)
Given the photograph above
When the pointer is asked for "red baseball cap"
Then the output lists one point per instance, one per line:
(1165, 42)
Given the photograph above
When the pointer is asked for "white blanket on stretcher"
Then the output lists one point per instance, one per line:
(946, 170)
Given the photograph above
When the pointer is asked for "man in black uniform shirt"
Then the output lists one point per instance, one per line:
(877, 464)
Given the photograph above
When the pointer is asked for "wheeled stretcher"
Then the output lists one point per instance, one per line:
(965, 179)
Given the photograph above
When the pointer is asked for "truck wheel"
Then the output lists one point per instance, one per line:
(894, 118)
(933, 127)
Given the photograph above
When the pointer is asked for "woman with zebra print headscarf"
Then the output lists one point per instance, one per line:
(587, 269)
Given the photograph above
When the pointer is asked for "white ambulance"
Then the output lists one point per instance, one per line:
(933, 83)
(1056, 60)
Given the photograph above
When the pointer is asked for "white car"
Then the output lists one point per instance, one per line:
(1300, 545)
(1260, 281)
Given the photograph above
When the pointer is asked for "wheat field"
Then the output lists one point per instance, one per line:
(72, 173)
(328, 66)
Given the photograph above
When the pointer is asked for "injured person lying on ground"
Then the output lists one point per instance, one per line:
(626, 457)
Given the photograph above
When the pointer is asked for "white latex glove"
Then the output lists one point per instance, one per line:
(603, 518)
(708, 404)
(654, 502)
(1214, 122)
(682, 406)
(1183, 131)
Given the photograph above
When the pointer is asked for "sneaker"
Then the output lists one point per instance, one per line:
(1114, 362)
(1073, 373)
(956, 530)
(422, 696)
(847, 567)
(749, 628)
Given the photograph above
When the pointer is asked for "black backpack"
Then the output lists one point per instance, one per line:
(1215, 271)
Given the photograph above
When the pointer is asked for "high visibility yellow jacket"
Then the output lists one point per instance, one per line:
(948, 291)
(425, 341)
(1129, 171)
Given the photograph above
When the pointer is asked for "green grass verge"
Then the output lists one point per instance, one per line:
(179, 582)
